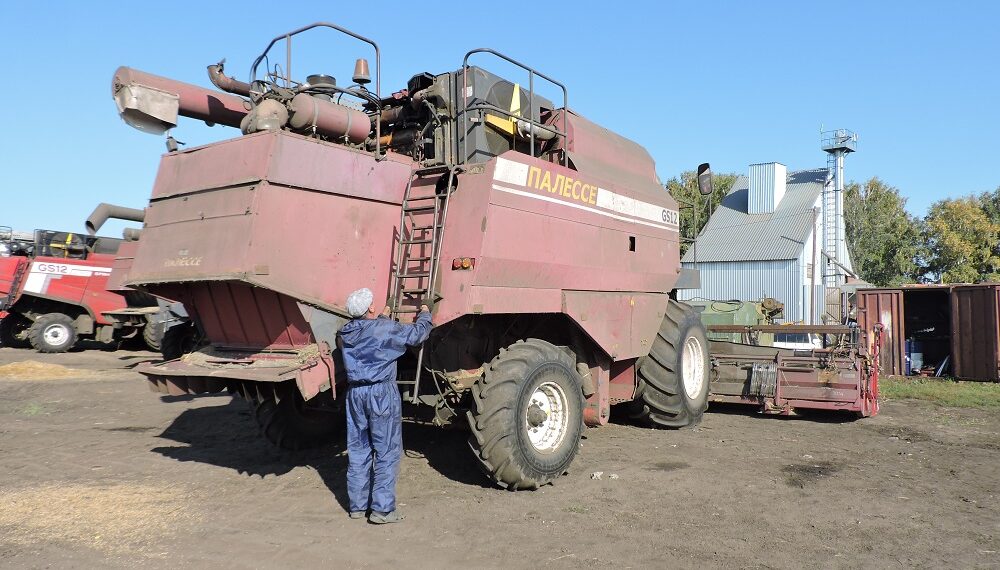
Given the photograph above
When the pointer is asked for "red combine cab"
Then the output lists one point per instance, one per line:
(56, 294)
(545, 244)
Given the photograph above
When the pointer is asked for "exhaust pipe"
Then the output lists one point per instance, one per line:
(103, 212)
(226, 83)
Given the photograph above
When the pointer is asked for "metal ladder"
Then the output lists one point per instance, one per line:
(831, 215)
(421, 231)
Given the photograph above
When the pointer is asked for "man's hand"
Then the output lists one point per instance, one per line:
(425, 308)
(386, 311)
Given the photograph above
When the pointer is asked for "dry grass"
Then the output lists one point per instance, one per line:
(33, 370)
(123, 518)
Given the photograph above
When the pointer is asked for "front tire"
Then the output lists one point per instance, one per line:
(673, 380)
(528, 415)
(291, 424)
(52, 332)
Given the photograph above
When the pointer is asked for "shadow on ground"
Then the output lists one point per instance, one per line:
(227, 436)
(816, 416)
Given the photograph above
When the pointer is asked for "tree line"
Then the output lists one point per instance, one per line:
(958, 241)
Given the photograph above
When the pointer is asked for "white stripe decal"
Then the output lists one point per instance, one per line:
(519, 174)
(511, 172)
(632, 207)
(36, 283)
(581, 207)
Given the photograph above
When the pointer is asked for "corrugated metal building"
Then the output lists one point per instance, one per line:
(759, 242)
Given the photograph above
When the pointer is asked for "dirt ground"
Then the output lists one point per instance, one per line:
(97, 471)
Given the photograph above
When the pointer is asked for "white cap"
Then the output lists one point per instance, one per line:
(359, 301)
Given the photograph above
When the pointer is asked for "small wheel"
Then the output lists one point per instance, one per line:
(152, 335)
(179, 340)
(528, 415)
(14, 331)
(672, 388)
(294, 424)
(52, 332)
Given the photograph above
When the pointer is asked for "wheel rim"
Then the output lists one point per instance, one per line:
(693, 367)
(55, 335)
(546, 417)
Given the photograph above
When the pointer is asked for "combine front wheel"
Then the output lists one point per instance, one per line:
(52, 332)
(673, 380)
(528, 415)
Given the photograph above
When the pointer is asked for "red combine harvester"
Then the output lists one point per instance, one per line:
(545, 244)
(56, 293)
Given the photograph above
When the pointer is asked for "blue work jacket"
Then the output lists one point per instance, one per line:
(370, 347)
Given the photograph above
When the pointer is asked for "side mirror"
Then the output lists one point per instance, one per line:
(704, 179)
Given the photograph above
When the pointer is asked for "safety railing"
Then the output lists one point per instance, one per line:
(288, 67)
(534, 123)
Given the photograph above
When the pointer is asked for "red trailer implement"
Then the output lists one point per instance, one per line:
(841, 377)
(544, 242)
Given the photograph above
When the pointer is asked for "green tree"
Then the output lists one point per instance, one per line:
(883, 238)
(990, 203)
(695, 209)
(962, 240)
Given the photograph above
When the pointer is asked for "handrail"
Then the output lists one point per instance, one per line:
(288, 37)
(531, 108)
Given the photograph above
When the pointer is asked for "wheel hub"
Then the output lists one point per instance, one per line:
(536, 416)
(547, 417)
(55, 335)
(693, 367)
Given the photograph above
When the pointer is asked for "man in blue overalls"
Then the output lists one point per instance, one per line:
(370, 347)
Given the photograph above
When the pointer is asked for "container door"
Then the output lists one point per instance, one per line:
(975, 338)
(884, 306)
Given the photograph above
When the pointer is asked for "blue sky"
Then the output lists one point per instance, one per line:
(731, 83)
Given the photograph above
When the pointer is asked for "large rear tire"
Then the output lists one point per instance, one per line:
(14, 331)
(52, 332)
(528, 415)
(293, 425)
(673, 380)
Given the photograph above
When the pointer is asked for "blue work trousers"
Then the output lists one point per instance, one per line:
(374, 445)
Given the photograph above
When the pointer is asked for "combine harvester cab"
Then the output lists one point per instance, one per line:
(545, 244)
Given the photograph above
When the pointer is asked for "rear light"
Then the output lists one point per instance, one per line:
(463, 263)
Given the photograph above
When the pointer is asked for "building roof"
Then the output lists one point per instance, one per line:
(732, 234)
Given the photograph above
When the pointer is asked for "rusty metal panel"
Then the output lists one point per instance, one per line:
(884, 306)
(975, 336)
(606, 317)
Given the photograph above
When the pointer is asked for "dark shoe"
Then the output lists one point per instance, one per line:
(385, 518)
(356, 514)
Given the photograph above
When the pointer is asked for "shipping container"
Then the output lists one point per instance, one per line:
(937, 330)
(884, 306)
(975, 325)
